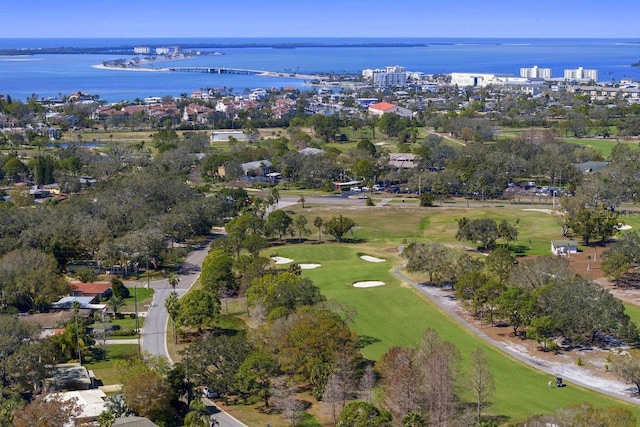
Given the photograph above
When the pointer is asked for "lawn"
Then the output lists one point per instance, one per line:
(602, 145)
(126, 323)
(381, 228)
(398, 315)
(144, 297)
(106, 368)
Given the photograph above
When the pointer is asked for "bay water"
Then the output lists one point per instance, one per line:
(62, 74)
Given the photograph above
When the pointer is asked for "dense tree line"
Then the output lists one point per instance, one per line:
(540, 296)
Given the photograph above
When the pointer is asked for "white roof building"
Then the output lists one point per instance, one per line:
(536, 73)
(381, 108)
(580, 74)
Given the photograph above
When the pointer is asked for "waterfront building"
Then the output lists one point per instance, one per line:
(391, 76)
(580, 74)
(167, 50)
(535, 72)
(476, 79)
(142, 50)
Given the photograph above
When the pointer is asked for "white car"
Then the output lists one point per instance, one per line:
(356, 189)
(210, 394)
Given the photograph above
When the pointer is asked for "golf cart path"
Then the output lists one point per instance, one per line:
(570, 373)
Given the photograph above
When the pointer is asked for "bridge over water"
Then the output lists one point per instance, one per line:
(221, 70)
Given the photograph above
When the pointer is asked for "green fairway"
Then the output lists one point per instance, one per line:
(384, 228)
(602, 145)
(397, 315)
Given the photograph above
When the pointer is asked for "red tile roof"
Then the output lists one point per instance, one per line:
(97, 288)
(383, 106)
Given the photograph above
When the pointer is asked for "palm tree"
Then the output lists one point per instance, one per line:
(318, 222)
(172, 305)
(174, 280)
(115, 302)
(198, 415)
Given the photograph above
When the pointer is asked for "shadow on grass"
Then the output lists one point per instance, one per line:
(354, 240)
(519, 250)
(366, 340)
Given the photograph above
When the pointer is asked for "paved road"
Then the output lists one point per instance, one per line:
(154, 333)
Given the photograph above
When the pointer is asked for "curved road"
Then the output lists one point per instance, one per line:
(154, 332)
(156, 319)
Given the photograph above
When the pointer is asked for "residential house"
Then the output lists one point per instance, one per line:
(226, 135)
(196, 113)
(96, 290)
(381, 108)
(134, 422)
(564, 247)
(50, 324)
(257, 168)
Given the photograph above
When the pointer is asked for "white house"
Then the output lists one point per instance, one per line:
(226, 135)
(564, 247)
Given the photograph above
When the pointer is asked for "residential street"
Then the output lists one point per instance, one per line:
(156, 321)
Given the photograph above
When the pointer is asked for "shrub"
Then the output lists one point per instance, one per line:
(426, 199)
(119, 289)
(86, 274)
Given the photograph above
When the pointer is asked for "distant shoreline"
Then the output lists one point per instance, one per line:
(128, 50)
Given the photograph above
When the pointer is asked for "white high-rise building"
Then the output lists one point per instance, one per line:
(580, 74)
(535, 73)
(393, 76)
(142, 50)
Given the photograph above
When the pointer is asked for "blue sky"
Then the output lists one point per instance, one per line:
(320, 18)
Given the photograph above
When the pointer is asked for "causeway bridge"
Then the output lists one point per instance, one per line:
(221, 70)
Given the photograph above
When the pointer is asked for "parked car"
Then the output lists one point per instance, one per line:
(356, 189)
(210, 394)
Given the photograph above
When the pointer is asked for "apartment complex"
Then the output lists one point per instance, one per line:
(535, 72)
(580, 74)
(393, 76)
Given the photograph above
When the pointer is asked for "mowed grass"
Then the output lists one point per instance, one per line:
(535, 228)
(388, 226)
(397, 315)
(604, 146)
(106, 369)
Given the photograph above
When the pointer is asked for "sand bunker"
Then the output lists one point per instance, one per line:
(623, 227)
(281, 260)
(368, 284)
(309, 266)
(372, 258)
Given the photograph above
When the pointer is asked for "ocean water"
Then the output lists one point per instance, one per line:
(54, 75)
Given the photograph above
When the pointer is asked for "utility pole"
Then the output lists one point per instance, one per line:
(135, 305)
